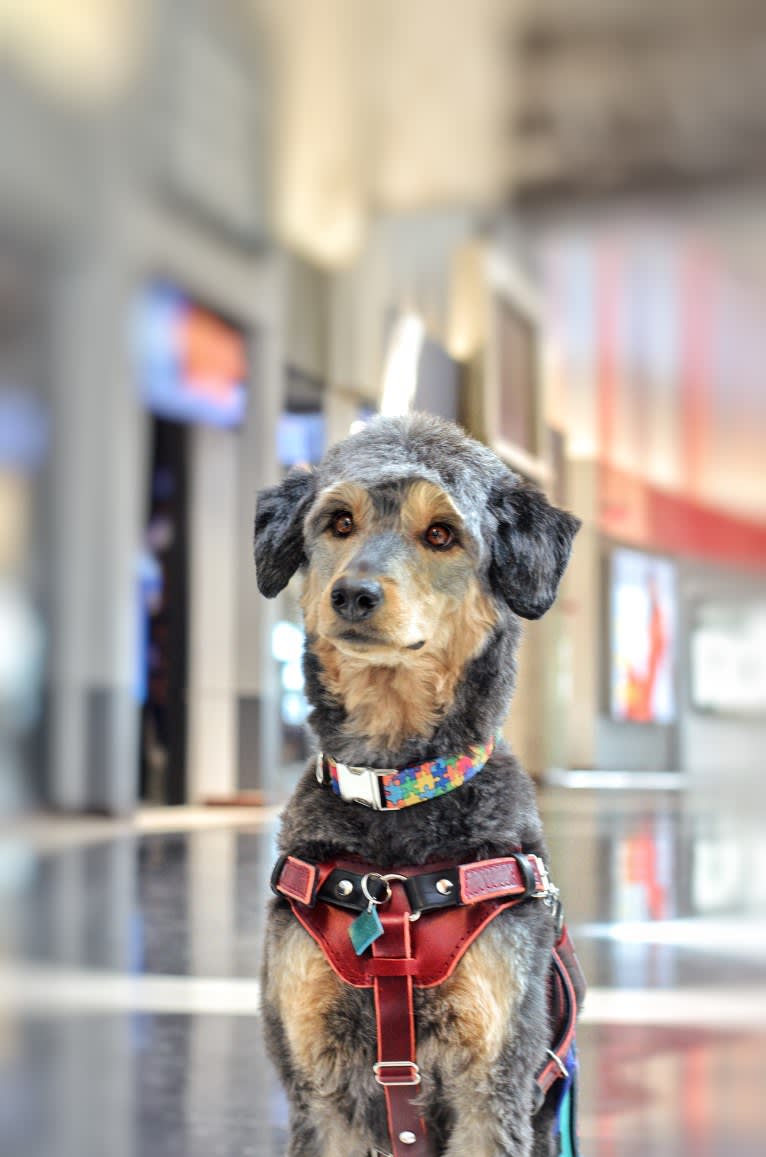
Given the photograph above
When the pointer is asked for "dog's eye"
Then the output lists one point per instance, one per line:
(342, 523)
(439, 536)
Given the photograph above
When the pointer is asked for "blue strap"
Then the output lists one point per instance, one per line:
(566, 1117)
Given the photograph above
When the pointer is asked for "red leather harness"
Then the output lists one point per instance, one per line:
(430, 915)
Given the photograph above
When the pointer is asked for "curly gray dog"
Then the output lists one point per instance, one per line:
(420, 551)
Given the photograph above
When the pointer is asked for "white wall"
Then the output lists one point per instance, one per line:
(213, 531)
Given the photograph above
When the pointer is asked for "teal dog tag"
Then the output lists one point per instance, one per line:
(365, 930)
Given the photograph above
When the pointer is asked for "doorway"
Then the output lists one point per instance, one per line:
(164, 617)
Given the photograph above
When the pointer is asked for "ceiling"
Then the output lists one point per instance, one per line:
(638, 96)
(390, 106)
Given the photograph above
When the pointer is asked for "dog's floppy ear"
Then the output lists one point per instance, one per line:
(531, 547)
(279, 546)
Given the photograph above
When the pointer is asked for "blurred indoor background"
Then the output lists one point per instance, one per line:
(230, 232)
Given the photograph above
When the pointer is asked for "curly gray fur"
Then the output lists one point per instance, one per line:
(521, 545)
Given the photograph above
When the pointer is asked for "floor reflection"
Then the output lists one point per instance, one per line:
(674, 1091)
(140, 1086)
(176, 904)
(131, 1027)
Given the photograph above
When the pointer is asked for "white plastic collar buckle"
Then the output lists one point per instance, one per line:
(356, 784)
(360, 785)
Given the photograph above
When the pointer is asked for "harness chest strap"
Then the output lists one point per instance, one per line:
(396, 1068)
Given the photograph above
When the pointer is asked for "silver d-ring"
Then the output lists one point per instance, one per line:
(413, 916)
(366, 892)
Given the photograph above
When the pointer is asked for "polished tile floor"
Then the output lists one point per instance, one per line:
(129, 995)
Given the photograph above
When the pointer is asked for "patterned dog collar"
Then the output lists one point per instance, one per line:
(386, 789)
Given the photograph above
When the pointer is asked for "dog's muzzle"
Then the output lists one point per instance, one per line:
(356, 599)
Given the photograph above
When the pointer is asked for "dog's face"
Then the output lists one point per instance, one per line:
(389, 567)
(410, 564)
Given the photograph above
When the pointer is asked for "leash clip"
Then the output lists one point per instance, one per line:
(548, 893)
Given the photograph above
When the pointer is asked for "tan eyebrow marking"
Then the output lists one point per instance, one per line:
(341, 495)
(425, 504)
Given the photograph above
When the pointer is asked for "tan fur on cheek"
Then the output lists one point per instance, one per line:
(462, 634)
(310, 601)
(389, 702)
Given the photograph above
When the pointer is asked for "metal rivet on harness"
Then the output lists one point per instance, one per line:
(407, 1138)
(444, 887)
(344, 887)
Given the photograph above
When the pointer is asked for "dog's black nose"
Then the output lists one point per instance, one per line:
(356, 599)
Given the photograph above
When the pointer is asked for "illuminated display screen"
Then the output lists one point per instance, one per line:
(192, 364)
(643, 629)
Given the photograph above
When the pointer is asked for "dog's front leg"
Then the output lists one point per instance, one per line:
(318, 1066)
(304, 1140)
(490, 1119)
(494, 1103)
(303, 1137)
(341, 1139)
(488, 1055)
(317, 1132)
(316, 1128)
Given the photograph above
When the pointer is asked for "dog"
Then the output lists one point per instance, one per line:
(421, 552)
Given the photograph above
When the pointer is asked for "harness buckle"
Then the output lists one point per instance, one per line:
(382, 1079)
(548, 892)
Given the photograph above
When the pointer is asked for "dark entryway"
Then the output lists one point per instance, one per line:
(164, 590)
